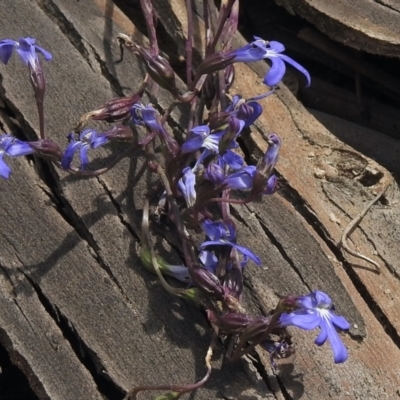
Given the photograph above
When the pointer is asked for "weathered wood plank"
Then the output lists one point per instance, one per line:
(34, 341)
(372, 26)
(127, 335)
(106, 230)
(303, 137)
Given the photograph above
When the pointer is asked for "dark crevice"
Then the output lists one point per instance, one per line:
(14, 384)
(273, 382)
(88, 358)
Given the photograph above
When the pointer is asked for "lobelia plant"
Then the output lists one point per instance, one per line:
(201, 176)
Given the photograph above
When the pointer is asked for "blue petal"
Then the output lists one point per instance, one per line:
(98, 141)
(5, 170)
(254, 51)
(83, 155)
(233, 160)
(276, 72)
(298, 67)
(45, 53)
(322, 299)
(6, 49)
(323, 335)
(271, 186)
(241, 180)
(209, 260)
(301, 319)
(339, 350)
(69, 152)
(192, 143)
(340, 321)
(277, 46)
(19, 148)
(187, 185)
(27, 52)
(247, 253)
(308, 302)
(212, 229)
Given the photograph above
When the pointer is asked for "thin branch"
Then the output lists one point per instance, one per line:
(352, 225)
(147, 8)
(189, 43)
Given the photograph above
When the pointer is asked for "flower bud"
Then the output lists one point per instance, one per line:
(116, 109)
(208, 282)
(229, 75)
(214, 173)
(215, 62)
(119, 132)
(159, 70)
(48, 149)
(249, 112)
(235, 126)
(230, 323)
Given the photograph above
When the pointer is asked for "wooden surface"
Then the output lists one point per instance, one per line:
(372, 26)
(83, 319)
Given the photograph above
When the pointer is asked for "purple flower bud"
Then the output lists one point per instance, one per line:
(230, 323)
(208, 282)
(214, 173)
(48, 149)
(215, 62)
(120, 133)
(249, 112)
(233, 130)
(117, 109)
(159, 70)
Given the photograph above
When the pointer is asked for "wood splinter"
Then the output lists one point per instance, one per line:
(349, 229)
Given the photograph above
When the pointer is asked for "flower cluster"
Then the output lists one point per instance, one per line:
(202, 174)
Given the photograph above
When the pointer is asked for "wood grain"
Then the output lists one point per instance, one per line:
(76, 250)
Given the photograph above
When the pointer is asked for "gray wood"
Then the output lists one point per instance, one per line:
(372, 26)
(132, 331)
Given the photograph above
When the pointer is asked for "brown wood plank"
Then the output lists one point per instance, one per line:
(31, 336)
(129, 340)
(303, 138)
(372, 26)
(106, 207)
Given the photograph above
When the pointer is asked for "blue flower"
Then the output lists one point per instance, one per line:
(260, 49)
(12, 147)
(145, 115)
(254, 51)
(88, 139)
(187, 186)
(315, 309)
(199, 137)
(224, 234)
(26, 49)
(242, 179)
